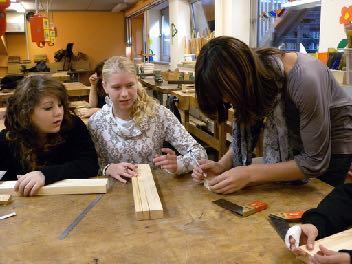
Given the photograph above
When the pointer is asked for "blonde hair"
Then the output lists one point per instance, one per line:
(144, 105)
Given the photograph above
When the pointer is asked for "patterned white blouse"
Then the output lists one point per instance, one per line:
(118, 141)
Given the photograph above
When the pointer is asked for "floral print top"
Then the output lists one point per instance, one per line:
(118, 141)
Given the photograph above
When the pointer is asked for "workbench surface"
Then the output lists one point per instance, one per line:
(193, 229)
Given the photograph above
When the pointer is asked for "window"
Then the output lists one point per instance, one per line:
(202, 17)
(296, 28)
(165, 35)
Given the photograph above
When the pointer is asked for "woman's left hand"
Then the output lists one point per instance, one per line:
(167, 162)
(329, 256)
(30, 183)
(231, 180)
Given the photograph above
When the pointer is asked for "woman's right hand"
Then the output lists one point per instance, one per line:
(93, 79)
(304, 234)
(122, 169)
(206, 168)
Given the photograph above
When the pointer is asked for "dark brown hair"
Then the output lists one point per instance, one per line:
(98, 70)
(20, 129)
(228, 68)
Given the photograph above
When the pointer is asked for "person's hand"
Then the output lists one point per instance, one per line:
(349, 173)
(93, 79)
(86, 112)
(307, 235)
(206, 168)
(120, 170)
(30, 183)
(167, 162)
(231, 180)
(329, 256)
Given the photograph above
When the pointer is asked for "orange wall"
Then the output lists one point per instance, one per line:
(137, 36)
(97, 34)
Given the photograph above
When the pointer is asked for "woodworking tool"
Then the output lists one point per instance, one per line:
(7, 216)
(294, 216)
(244, 210)
(80, 217)
(280, 225)
(196, 161)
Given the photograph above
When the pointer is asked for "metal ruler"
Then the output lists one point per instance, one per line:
(80, 217)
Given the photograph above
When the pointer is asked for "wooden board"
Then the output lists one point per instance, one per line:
(77, 89)
(68, 186)
(147, 202)
(5, 199)
(335, 242)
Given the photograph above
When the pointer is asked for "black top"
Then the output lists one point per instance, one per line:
(101, 101)
(333, 214)
(76, 158)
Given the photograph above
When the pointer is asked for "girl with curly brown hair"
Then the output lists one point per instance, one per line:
(43, 142)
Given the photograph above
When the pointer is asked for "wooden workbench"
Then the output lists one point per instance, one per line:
(217, 141)
(193, 230)
(159, 89)
(74, 89)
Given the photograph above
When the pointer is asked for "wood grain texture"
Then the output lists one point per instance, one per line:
(68, 186)
(5, 199)
(147, 202)
(193, 229)
(336, 242)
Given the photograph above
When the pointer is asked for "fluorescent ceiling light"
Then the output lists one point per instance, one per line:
(18, 7)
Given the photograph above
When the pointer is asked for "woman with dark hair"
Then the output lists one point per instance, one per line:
(305, 116)
(96, 94)
(43, 142)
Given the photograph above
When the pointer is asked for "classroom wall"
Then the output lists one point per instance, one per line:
(180, 16)
(97, 34)
(331, 31)
(233, 19)
(137, 36)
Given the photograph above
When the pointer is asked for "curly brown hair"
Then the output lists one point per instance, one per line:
(19, 128)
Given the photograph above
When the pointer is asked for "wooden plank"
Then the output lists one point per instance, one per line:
(334, 242)
(155, 206)
(205, 137)
(145, 195)
(137, 199)
(5, 199)
(68, 186)
(76, 89)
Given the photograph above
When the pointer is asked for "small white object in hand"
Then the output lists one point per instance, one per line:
(7, 216)
(2, 173)
(295, 232)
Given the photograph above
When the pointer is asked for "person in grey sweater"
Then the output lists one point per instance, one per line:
(305, 116)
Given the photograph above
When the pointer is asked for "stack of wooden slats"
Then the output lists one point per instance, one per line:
(147, 202)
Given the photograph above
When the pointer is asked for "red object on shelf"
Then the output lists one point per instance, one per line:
(3, 5)
(39, 29)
